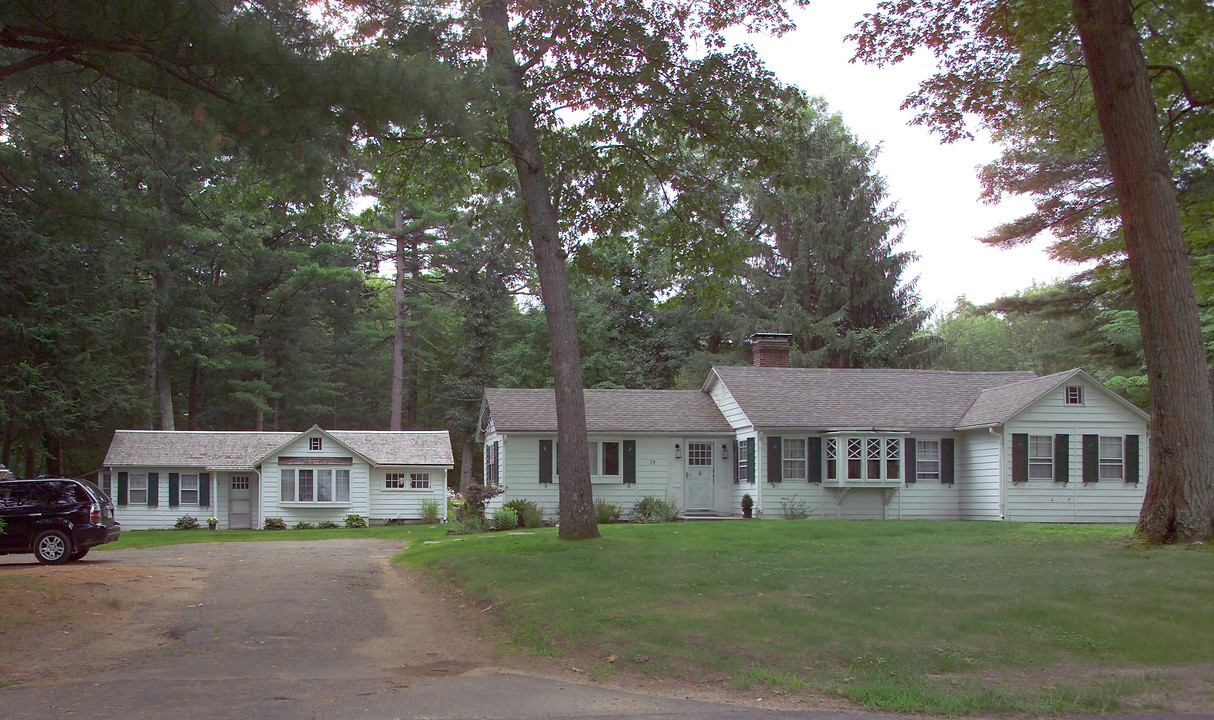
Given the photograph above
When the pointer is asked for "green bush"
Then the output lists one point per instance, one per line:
(429, 511)
(465, 527)
(356, 521)
(326, 524)
(470, 502)
(529, 514)
(651, 509)
(505, 518)
(793, 509)
(274, 524)
(607, 512)
(301, 525)
(186, 522)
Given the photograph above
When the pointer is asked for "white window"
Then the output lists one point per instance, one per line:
(314, 443)
(794, 459)
(927, 459)
(855, 459)
(1112, 465)
(893, 458)
(832, 458)
(343, 486)
(394, 481)
(307, 486)
(286, 485)
(743, 463)
(605, 457)
(324, 485)
(240, 482)
(107, 484)
(1041, 457)
(189, 489)
(1074, 395)
(138, 489)
(419, 481)
(872, 458)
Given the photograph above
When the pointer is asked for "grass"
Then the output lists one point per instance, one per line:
(949, 618)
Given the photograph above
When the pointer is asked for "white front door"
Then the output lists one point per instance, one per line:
(701, 487)
(240, 503)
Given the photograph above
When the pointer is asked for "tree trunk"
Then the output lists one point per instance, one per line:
(577, 520)
(398, 323)
(466, 461)
(1179, 503)
(411, 383)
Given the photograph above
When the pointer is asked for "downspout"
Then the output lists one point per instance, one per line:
(1002, 485)
(261, 492)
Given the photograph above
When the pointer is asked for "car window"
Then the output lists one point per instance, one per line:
(65, 492)
(16, 495)
(97, 492)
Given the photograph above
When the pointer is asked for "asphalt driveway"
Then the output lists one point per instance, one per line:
(324, 629)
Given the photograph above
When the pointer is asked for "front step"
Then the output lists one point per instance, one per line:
(706, 515)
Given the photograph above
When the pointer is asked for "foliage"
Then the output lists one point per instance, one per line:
(326, 525)
(186, 522)
(607, 512)
(666, 600)
(302, 525)
(276, 523)
(529, 514)
(651, 509)
(429, 511)
(470, 503)
(747, 502)
(469, 526)
(355, 521)
(504, 518)
(794, 509)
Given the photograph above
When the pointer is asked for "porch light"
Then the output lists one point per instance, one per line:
(724, 451)
(678, 451)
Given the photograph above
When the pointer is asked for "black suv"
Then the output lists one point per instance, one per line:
(57, 519)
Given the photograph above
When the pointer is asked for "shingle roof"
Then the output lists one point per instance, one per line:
(850, 399)
(633, 411)
(997, 404)
(243, 450)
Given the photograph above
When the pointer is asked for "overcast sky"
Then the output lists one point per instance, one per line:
(935, 185)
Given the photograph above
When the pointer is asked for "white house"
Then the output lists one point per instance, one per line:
(864, 444)
(240, 478)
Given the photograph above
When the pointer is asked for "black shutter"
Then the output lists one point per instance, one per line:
(946, 461)
(123, 488)
(1062, 458)
(153, 489)
(750, 461)
(545, 462)
(1131, 458)
(204, 489)
(174, 490)
(813, 459)
(737, 468)
(630, 462)
(497, 462)
(1091, 458)
(909, 449)
(775, 459)
(1020, 457)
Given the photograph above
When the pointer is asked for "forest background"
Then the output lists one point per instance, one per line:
(280, 214)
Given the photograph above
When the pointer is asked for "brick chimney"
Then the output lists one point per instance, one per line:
(770, 349)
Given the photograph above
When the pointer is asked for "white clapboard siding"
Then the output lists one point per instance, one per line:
(406, 503)
(1073, 501)
(729, 407)
(145, 517)
(977, 473)
(271, 498)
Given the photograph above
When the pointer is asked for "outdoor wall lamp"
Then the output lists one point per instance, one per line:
(724, 451)
(678, 451)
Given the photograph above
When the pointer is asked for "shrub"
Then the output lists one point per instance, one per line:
(465, 527)
(505, 518)
(356, 521)
(429, 511)
(326, 524)
(395, 521)
(651, 509)
(529, 514)
(301, 525)
(793, 509)
(274, 524)
(471, 502)
(606, 512)
(186, 522)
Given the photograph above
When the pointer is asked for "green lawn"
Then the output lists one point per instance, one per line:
(158, 538)
(935, 617)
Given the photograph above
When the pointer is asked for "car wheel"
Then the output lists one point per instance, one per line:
(52, 547)
(79, 554)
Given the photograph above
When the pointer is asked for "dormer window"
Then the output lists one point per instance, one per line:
(1074, 394)
(314, 443)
